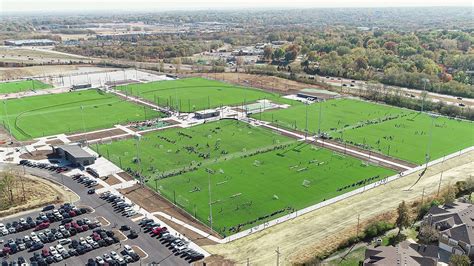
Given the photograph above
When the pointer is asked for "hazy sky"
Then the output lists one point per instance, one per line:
(160, 5)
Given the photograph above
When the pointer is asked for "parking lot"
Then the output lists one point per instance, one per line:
(150, 249)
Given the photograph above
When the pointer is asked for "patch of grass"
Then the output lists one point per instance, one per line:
(45, 115)
(23, 85)
(389, 130)
(351, 259)
(181, 148)
(271, 184)
(193, 94)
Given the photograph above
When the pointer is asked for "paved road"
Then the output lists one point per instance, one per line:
(156, 251)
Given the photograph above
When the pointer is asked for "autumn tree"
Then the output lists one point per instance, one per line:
(403, 219)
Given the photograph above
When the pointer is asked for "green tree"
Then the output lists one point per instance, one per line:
(459, 260)
(403, 219)
(278, 53)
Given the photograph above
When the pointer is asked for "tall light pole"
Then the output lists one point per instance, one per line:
(319, 119)
(428, 147)
(8, 120)
(423, 95)
(139, 161)
(210, 199)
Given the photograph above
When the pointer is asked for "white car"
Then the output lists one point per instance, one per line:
(57, 257)
(53, 251)
(64, 241)
(107, 258)
(4, 232)
(2, 226)
(87, 221)
(99, 260)
(114, 255)
(128, 249)
(89, 240)
(60, 248)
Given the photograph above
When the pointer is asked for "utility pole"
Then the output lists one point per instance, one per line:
(278, 255)
(439, 184)
(358, 223)
(422, 196)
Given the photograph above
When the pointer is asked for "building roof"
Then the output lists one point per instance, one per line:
(75, 151)
(23, 42)
(405, 253)
(455, 220)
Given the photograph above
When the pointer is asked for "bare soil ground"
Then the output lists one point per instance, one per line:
(195, 237)
(97, 135)
(125, 176)
(38, 155)
(111, 180)
(139, 251)
(269, 83)
(119, 234)
(38, 192)
(319, 232)
(153, 202)
(103, 221)
(8, 73)
(55, 142)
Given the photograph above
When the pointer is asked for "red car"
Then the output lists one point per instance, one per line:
(45, 252)
(72, 214)
(85, 227)
(159, 230)
(42, 226)
(67, 226)
(96, 237)
(6, 250)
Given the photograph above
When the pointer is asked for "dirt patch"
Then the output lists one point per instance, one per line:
(125, 176)
(195, 237)
(39, 155)
(139, 252)
(31, 192)
(103, 221)
(97, 135)
(55, 142)
(120, 235)
(153, 202)
(304, 237)
(216, 260)
(111, 180)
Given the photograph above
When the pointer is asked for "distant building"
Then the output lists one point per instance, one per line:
(455, 223)
(81, 86)
(32, 42)
(405, 253)
(74, 154)
(206, 114)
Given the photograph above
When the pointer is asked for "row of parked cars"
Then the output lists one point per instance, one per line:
(129, 256)
(56, 253)
(120, 204)
(179, 246)
(43, 220)
(85, 180)
(50, 167)
(37, 240)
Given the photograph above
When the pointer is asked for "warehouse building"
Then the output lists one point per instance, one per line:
(74, 154)
(32, 42)
(206, 114)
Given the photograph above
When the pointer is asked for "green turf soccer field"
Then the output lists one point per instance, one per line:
(174, 149)
(393, 131)
(276, 182)
(24, 85)
(243, 178)
(192, 94)
(45, 115)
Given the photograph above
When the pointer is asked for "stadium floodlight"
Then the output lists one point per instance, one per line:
(424, 80)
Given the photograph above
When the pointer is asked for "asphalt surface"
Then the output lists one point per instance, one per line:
(157, 252)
